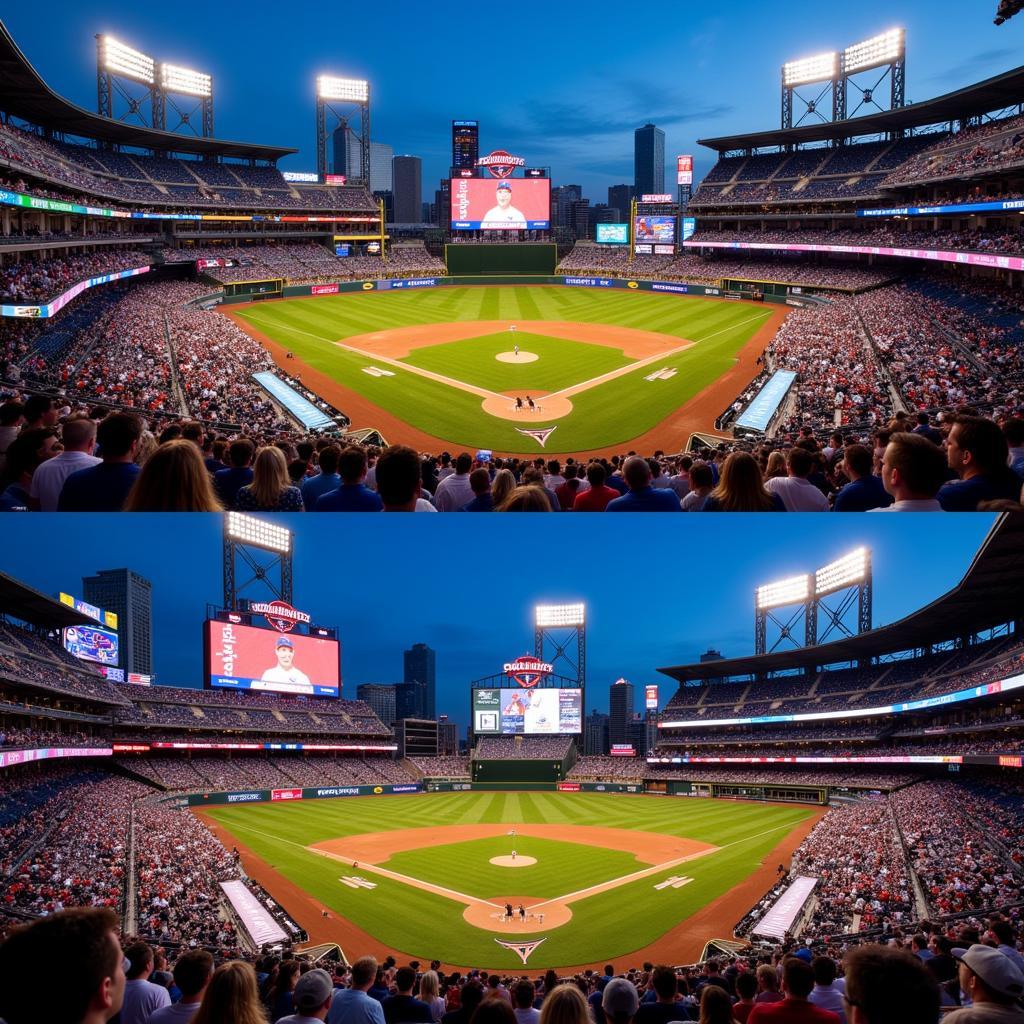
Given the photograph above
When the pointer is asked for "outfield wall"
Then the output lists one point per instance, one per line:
(501, 258)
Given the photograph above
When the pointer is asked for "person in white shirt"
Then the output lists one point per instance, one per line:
(79, 438)
(504, 215)
(192, 973)
(284, 673)
(141, 997)
(825, 995)
(913, 470)
(798, 494)
(454, 492)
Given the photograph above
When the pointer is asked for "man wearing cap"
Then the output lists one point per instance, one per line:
(284, 675)
(312, 997)
(619, 1001)
(504, 215)
(993, 983)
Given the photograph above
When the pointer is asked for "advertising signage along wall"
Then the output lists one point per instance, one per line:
(612, 234)
(522, 712)
(506, 204)
(656, 229)
(248, 658)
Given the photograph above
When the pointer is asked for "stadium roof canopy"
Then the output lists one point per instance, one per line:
(991, 593)
(1005, 90)
(25, 95)
(23, 602)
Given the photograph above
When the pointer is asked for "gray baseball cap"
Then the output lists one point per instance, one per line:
(995, 969)
(620, 997)
(312, 989)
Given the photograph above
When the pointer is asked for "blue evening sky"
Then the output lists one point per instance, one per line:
(562, 86)
(466, 585)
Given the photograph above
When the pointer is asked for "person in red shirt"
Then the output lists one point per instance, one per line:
(797, 983)
(596, 498)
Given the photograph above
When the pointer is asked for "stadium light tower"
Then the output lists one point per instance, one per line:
(560, 635)
(823, 70)
(828, 594)
(347, 101)
(177, 81)
(246, 535)
(886, 53)
(121, 70)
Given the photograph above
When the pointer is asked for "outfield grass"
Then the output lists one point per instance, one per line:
(610, 414)
(428, 926)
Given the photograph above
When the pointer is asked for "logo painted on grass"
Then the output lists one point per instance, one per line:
(540, 436)
(524, 949)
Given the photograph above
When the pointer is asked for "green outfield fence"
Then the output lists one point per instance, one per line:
(496, 258)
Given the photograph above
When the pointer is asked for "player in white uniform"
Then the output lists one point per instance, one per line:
(284, 675)
(504, 215)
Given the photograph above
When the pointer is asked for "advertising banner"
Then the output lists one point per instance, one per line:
(684, 170)
(568, 787)
(651, 697)
(11, 757)
(48, 309)
(528, 712)
(656, 229)
(249, 658)
(324, 289)
(286, 794)
(612, 234)
(506, 204)
(91, 643)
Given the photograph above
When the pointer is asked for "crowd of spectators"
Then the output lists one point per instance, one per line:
(522, 748)
(29, 280)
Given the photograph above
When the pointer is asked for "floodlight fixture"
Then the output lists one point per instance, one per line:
(245, 529)
(793, 590)
(353, 90)
(874, 52)
(122, 60)
(550, 616)
(184, 81)
(820, 68)
(848, 571)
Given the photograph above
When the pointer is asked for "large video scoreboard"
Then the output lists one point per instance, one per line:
(500, 204)
(519, 711)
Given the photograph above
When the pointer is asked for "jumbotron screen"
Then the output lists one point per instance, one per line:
(248, 658)
(527, 712)
(655, 229)
(501, 204)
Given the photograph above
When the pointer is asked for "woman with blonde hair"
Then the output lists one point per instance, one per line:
(525, 499)
(741, 489)
(173, 479)
(430, 994)
(271, 489)
(502, 486)
(715, 1006)
(565, 1004)
(232, 997)
(776, 465)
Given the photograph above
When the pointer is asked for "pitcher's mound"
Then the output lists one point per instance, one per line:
(513, 862)
(522, 357)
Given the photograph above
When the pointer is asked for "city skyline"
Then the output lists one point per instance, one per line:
(576, 117)
(666, 602)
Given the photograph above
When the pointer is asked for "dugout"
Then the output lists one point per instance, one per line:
(490, 258)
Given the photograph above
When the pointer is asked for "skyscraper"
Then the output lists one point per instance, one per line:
(620, 197)
(407, 176)
(620, 712)
(465, 144)
(649, 160)
(595, 733)
(346, 158)
(131, 597)
(419, 663)
(381, 698)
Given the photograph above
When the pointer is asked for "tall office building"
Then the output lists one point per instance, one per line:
(620, 197)
(443, 203)
(131, 597)
(447, 736)
(419, 664)
(409, 701)
(407, 178)
(381, 698)
(649, 160)
(346, 159)
(620, 712)
(595, 733)
(562, 199)
(465, 144)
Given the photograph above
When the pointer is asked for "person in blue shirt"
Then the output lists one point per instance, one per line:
(326, 480)
(979, 454)
(642, 497)
(1013, 431)
(103, 488)
(865, 491)
(228, 482)
(354, 1005)
(480, 481)
(352, 495)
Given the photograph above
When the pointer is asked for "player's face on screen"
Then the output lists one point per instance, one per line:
(504, 197)
(285, 656)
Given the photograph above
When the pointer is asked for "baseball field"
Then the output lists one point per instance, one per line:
(444, 367)
(599, 876)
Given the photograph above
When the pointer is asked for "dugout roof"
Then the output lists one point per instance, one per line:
(991, 593)
(24, 94)
(27, 604)
(1005, 90)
